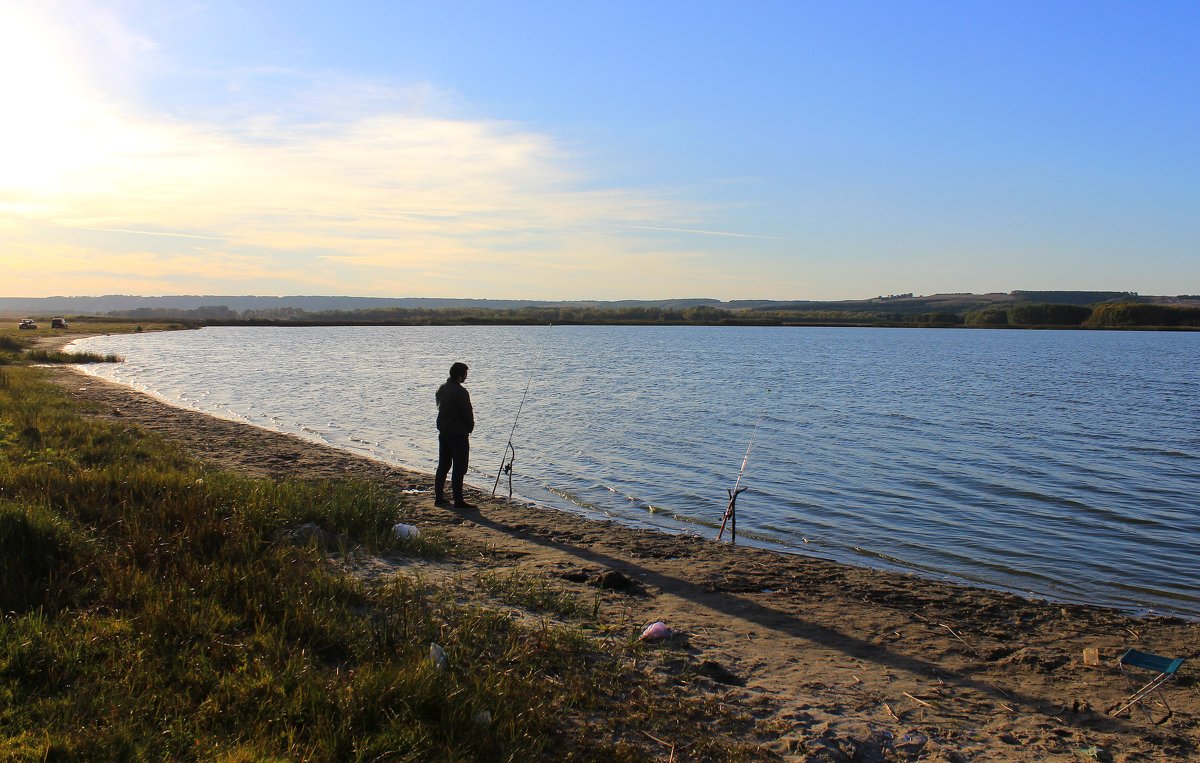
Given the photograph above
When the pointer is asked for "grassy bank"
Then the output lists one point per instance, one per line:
(42, 345)
(18, 351)
(155, 609)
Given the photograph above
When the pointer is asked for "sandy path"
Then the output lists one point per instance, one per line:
(839, 663)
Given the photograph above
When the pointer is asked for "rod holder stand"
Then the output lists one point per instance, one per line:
(731, 514)
(506, 467)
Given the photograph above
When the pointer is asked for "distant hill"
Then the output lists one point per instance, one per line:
(113, 303)
(933, 309)
(1074, 297)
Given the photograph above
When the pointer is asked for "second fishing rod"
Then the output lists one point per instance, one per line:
(510, 452)
(730, 517)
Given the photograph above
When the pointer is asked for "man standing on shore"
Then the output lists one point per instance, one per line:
(455, 422)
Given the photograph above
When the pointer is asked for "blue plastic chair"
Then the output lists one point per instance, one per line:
(1163, 670)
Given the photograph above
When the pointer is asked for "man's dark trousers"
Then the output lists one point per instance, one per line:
(453, 450)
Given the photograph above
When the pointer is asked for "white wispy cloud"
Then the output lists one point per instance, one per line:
(698, 232)
(169, 234)
(360, 187)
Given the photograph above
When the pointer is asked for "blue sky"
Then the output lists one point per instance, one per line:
(781, 150)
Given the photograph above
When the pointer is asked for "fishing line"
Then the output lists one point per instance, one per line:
(510, 453)
(736, 490)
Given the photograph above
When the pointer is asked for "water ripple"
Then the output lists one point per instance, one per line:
(1062, 464)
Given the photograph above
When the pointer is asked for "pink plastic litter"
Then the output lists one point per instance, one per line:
(655, 631)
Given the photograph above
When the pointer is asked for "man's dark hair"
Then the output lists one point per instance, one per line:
(457, 370)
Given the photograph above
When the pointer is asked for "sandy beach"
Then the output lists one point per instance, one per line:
(835, 662)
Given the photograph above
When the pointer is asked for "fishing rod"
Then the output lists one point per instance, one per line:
(731, 508)
(510, 453)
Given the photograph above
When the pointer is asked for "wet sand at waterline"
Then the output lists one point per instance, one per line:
(836, 662)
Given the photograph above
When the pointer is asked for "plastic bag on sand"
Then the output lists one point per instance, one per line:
(655, 631)
(437, 656)
(402, 530)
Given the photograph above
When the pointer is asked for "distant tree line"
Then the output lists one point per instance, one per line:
(1136, 314)
(1021, 315)
(1030, 315)
(1107, 315)
(210, 312)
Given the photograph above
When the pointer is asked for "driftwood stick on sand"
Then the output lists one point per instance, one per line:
(918, 700)
(960, 638)
(997, 688)
(668, 745)
(891, 712)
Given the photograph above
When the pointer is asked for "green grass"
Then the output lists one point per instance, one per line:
(90, 325)
(536, 595)
(154, 609)
(11, 349)
(58, 356)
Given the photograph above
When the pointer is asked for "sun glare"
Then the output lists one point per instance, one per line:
(53, 126)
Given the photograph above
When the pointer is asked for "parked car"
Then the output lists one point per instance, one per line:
(58, 323)
(27, 324)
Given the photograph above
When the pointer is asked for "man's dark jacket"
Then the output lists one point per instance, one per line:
(455, 415)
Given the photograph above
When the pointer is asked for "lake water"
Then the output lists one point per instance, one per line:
(1063, 465)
